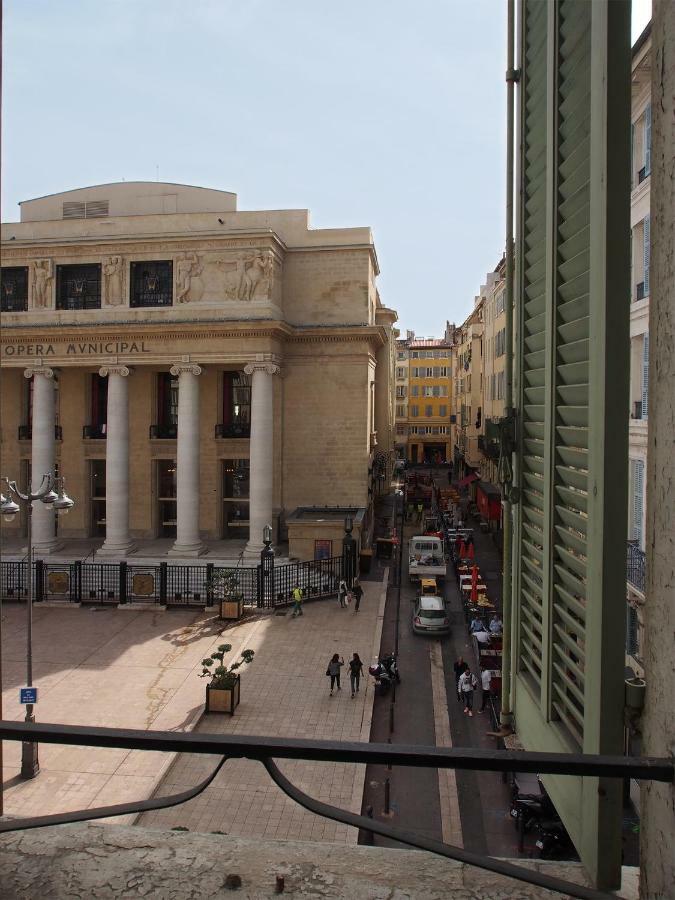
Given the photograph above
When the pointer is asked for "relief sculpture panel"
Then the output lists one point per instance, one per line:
(241, 275)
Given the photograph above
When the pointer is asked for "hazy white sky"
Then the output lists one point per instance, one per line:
(368, 112)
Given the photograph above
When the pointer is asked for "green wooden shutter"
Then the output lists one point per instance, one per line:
(645, 376)
(648, 140)
(646, 253)
(573, 293)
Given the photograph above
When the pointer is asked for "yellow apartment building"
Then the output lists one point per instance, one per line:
(467, 378)
(423, 399)
(494, 362)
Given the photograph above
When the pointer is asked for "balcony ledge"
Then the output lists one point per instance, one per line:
(109, 861)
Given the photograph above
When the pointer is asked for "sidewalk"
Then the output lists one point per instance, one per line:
(138, 669)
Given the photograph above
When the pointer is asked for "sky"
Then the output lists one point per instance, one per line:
(366, 112)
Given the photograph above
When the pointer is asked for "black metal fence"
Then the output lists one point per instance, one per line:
(177, 585)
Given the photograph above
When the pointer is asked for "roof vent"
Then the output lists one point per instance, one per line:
(93, 209)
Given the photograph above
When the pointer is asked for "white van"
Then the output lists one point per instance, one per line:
(426, 558)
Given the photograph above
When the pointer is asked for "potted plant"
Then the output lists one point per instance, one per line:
(223, 691)
(226, 584)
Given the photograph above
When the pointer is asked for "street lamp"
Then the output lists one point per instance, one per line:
(349, 552)
(9, 507)
(267, 567)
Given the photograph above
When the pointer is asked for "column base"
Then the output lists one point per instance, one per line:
(197, 549)
(253, 550)
(46, 548)
(117, 548)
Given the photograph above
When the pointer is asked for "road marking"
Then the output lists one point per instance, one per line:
(451, 826)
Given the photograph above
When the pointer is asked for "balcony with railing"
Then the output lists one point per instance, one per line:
(26, 433)
(94, 432)
(234, 430)
(636, 569)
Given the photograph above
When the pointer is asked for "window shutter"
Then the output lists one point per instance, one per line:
(645, 375)
(572, 295)
(646, 252)
(648, 139)
(638, 470)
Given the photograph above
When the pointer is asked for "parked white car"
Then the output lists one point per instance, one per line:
(430, 616)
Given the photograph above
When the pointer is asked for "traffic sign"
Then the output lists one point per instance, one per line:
(28, 695)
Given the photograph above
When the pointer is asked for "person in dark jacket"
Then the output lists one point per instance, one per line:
(357, 591)
(355, 672)
(334, 671)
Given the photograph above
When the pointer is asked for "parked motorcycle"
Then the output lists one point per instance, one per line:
(554, 842)
(385, 672)
(529, 808)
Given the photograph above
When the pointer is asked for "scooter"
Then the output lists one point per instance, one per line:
(553, 842)
(385, 672)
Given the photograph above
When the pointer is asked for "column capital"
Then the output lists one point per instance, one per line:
(271, 368)
(190, 368)
(38, 370)
(115, 370)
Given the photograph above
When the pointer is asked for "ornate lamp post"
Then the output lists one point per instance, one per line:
(267, 567)
(349, 552)
(9, 507)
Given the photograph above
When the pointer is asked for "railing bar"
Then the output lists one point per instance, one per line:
(500, 867)
(260, 747)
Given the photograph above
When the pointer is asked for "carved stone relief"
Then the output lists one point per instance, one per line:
(113, 269)
(189, 285)
(244, 276)
(43, 273)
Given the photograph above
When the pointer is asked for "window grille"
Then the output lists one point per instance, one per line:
(151, 283)
(14, 291)
(78, 287)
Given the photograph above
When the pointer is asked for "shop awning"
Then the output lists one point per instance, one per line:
(468, 479)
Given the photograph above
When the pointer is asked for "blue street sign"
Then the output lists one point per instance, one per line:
(28, 695)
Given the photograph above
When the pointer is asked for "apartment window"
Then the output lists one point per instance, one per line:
(401, 354)
(646, 250)
(415, 372)
(428, 411)
(415, 391)
(400, 412)
(236, 493)
(400, 391)
(400, 372)
(78, 287)
(468, 383)
(429, 372)
(151, 283)
(500, 386)
(414, 411)
(412, 429)
(415, 354)
(427, 391)
(14, 290)
(638, 485)
(443, 410)
(442, 429)
(499, 303)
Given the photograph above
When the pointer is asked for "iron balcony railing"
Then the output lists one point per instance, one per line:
(268, 749)
(636, 566)
(26, 432)
(94, 432)
(169, 432)
(234, 430)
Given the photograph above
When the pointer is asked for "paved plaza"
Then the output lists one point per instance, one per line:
(138, 669)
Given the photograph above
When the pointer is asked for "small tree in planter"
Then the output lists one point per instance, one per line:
(226, 585)
(223, 691)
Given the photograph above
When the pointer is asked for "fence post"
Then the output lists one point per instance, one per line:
(209, 584)
(76, 577)
(163, 577)
(122, 593)
(39, 579)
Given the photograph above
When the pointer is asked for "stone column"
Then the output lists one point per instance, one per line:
(657, 813)
(43, 456)
(261, 451)
(188, 541)
(117, 541)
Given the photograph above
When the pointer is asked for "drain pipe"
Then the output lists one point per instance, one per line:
(505, 462)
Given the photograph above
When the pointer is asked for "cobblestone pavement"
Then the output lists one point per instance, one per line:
(285, 692)
(138, 669)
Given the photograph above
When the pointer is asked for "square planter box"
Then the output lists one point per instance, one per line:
(231, 609)
(221, 701)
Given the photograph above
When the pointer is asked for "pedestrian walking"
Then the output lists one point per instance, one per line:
(420, 510)
(342, 592)
(357, 590)
(467, 685)
(334, 671)
(355, 672)
(486, 680)
(460, 668)
(297, 601)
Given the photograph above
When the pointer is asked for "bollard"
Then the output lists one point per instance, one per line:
(387, 791)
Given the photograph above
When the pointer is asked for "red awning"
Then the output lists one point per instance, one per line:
(468, 479)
